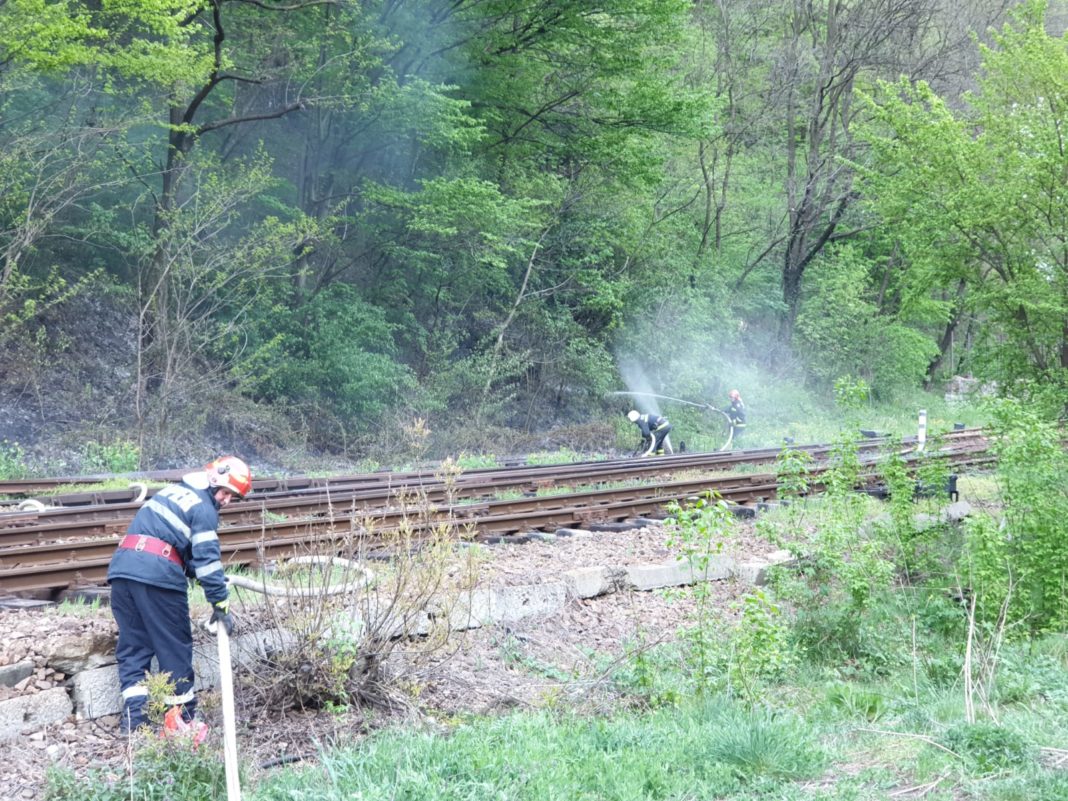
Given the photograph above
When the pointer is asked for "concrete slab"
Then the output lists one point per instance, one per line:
(506, 604)
(11, 602)
(33, 711)
(676, 574)
(589, 582)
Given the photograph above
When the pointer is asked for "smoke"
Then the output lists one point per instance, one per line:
(636, 380)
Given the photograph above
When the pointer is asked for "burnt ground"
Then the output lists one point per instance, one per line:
(534, 663)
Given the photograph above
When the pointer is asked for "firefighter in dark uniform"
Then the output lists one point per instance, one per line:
(174, 536)
(736, 413)
(654, 430)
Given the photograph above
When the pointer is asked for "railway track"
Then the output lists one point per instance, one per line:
(72, 545)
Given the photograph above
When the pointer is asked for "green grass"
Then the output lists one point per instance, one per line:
(713, 750)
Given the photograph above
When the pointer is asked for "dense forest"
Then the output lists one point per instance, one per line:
(394, 216)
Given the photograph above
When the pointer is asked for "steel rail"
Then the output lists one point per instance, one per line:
(32, 525)
(58, 564)
(308, 484)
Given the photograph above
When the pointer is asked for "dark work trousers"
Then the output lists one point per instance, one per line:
(152, 622)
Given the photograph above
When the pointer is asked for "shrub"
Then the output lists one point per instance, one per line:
(1021, 560)
(988, 748)
(162, 769)
(12, 460)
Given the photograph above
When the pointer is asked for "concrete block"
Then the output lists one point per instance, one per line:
(392, 620)
(10, 675)
(677, 574)
(33, 711)
(509, 604)
(471, 610)
(96, 692)
(506, 604)
(572, 532)
(588, 582)
(753, 571)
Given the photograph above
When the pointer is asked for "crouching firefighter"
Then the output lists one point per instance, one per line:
(173, 536)
(654, 430)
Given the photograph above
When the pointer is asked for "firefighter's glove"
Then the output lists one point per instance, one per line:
(220, 616)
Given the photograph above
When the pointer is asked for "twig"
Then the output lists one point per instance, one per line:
(921, 789)
(924, 737)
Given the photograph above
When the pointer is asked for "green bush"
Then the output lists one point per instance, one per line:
(336, 353)
(12, 460)
(988, 748)
(842, 332)
(1021, 559)
(117, 457)
(161, 770)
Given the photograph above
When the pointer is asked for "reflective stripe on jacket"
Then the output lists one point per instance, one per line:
(185, 516)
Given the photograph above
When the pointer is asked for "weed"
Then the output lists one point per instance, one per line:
(988, 748)
(12, 460)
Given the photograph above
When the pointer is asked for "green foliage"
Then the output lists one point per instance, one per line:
(760, 744)
(666, 754)
(847, 564)
(698, 530)
(476, 461)
(976, 196)
(335, 353)
(116, 457)
(12, 460)
(1020, 561)
(851, 393)
(792, 469)
(163, 769)
(988, 748)
(841, 332)
(762, 645)
(656, 675)
(561, 456)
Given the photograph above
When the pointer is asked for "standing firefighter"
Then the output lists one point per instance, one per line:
(736, 413)
(172, 537)
(654, 430)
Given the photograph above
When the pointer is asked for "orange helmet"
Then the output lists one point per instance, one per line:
(734, 395)
(229, 472)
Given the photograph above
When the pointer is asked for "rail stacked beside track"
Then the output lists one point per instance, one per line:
(72, 543)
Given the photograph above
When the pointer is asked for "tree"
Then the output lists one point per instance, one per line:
(978, 197)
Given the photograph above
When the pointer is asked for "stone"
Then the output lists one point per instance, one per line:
(11, 675)
(78, 652)
(957, 511)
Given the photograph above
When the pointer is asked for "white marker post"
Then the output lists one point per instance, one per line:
(921, 434)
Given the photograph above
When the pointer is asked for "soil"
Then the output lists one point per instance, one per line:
(536, 662)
